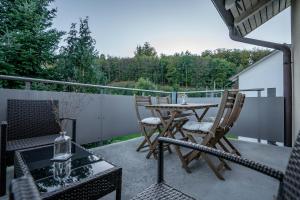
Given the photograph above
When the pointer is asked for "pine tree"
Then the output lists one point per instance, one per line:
(78, 57)
(27, 41)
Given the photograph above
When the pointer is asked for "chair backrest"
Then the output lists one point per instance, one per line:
(164, 100)
(141, 102)
(31, 118)
(229, 107)
(224, 110)
(290, 186)
(236, 110)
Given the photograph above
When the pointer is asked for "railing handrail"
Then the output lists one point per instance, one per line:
(220, 91)
(27, 79)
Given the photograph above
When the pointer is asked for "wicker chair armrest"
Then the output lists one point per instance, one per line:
(227, 156)
(3, 138)
(3, 128)
(23, 188)
(67, 118)
(73, 126)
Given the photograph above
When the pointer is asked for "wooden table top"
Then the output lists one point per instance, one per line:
(189, 106)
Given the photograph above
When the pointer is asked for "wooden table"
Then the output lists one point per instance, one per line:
(173, 123)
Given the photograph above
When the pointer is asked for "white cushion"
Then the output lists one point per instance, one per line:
(151, 120)
(197, 126)
(211, 119)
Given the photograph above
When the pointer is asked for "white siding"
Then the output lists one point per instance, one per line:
(266, 74)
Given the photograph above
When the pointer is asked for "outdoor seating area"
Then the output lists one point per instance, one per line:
(169, 120)
(241, 183)
(182, 133)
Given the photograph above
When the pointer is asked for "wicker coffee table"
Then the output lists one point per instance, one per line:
(83, 176)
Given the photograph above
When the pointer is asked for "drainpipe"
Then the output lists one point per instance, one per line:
(287, 78)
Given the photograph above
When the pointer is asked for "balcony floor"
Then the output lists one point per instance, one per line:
(240, 183)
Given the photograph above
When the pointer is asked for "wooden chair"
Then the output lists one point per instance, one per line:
(231, 118)
(211, 133)
(149, 125)
(289, 181)
(30, 123)
(224, 143)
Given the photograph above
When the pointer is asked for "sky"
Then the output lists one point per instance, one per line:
(171, 26)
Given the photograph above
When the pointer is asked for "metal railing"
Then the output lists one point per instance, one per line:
(28, 82)
(173, 94)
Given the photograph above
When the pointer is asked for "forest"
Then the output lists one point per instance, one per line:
(30, 47)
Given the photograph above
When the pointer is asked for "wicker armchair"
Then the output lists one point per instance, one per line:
(289, 188)
(23, 188)
(30, 123)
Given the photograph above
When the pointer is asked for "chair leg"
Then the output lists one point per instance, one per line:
(231, 146)
(153, 144)
(142, 145)
(146, 142)
(212, 166)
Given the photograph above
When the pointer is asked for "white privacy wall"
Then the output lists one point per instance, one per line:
(265, 74)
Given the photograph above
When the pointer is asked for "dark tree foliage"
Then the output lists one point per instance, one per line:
(145, 50)
(78, 58)
(211, 68)
(27, 41)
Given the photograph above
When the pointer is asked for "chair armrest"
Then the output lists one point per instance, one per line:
(23, 188)
(73, 126)
(3, 131)
(3, 138)
(67, 118)
(227, 156)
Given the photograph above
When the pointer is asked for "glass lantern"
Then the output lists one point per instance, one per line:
(184, 99)
(62, 147)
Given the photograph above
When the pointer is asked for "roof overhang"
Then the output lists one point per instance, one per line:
(244, 16)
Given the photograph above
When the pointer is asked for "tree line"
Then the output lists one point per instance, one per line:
(29, 46)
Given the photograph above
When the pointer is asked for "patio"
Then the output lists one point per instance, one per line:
(240, 183)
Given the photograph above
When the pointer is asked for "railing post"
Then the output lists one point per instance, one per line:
(174, 97)
(258, 93)
(102, 91)
(27, 85)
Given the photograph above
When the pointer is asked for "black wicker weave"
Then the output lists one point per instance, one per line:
(30, 123)
(93, 186)
(289, 188)
(23, 188)
(162, 191)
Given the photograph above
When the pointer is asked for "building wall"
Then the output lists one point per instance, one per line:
(295, 14)
(266, 74)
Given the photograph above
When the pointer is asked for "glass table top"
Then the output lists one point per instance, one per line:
(50, 176)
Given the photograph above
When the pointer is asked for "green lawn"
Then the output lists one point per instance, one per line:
(231, 136)
(123, 138)
(112, 140)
